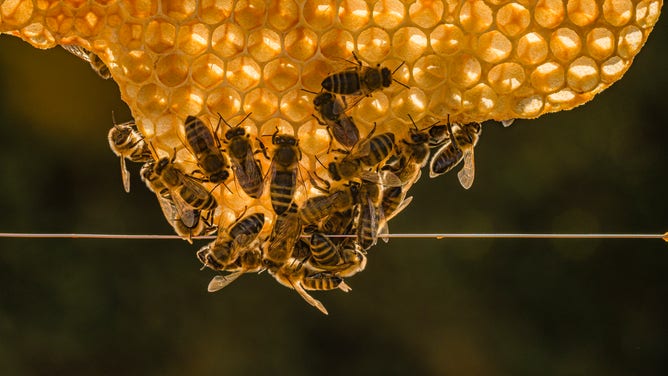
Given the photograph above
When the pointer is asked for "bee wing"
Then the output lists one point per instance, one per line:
(309, 299)
(467, 173)
(251, 169)
(168, 209)
(125, 175)
(190, 217)
(185, 212)
(383, 232)
(362, 150)
(399, 208)
(381, 222)
(389, 179)
(77, 51)
(221, 281)
(344, 287)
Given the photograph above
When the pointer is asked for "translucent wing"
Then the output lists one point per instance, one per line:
(190, 217)
(125, 175)
(309, 299)
(467, 173)
(168, 209)
(383, 232)
(173, 218)
(184, 211)
(399, 208)
(344, 287)
(221, 281)
(381, 224)
(389, 179)
(77, 51)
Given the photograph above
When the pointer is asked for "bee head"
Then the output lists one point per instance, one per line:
(119, 133)
(146, 171)
(419, 137)
(219, 177)
(386, 76)
(333, 171)
(236, 131)
(322, 98)
(284, 139)
(161, 165)
(354, 190)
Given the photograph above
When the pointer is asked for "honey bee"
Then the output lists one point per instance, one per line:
(369, 154)
(370, 216)
(246, 168)
(360, 80)
(224, 250)
(248, 262)
(297, 277)
(182, 188)
(127, 143)
(459, 146)
(283, 171)
(416, 149)
(284, 236)
(206, 147)
(95, 62)
(340, 126)
(317, 208)
(187, 222)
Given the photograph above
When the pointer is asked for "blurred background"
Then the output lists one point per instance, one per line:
(431, 307)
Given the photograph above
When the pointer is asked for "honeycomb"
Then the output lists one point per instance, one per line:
(469, 60)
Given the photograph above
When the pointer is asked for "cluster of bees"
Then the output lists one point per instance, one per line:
(316, 243)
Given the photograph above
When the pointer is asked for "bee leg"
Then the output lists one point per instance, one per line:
(263, 149)
(326, 187)
(173, 157)
(452, 136)
(359, 62)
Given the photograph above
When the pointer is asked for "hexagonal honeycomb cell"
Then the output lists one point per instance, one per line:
(469, 60)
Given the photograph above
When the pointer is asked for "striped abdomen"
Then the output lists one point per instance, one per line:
(345, 83)
(324, 253)
(282, 189)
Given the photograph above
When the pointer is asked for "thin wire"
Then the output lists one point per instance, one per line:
(405, 236)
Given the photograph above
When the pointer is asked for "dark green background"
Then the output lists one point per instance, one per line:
(433, 307)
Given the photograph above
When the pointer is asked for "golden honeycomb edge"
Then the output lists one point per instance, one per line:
(265, 61)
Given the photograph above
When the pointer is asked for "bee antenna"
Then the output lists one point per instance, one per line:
(319, 162)
(401, 83)
(451, 135)
(155, 152)
(413, 121)
(242, 120)
(359, 62)
(220, 118)
(309, 91)
(397, 68)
